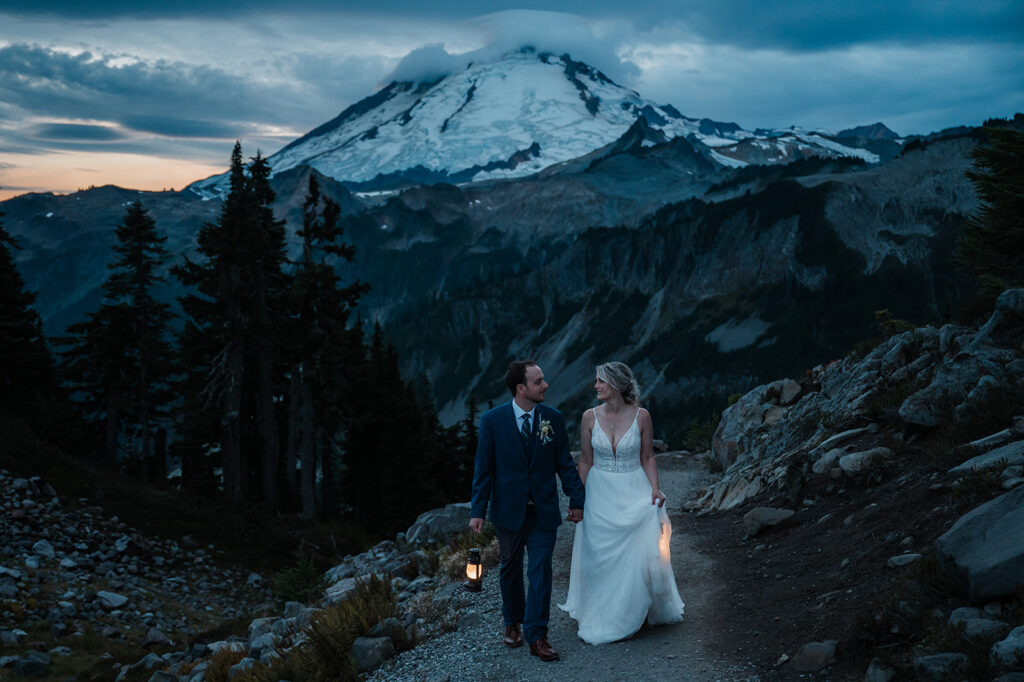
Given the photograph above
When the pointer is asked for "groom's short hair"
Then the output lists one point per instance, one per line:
(516, 374)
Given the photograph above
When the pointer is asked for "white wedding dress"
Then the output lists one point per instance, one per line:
(621, 572)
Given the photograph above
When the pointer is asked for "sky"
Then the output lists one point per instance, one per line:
(148, 94)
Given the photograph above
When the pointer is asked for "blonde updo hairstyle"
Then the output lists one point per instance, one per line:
(620, 377)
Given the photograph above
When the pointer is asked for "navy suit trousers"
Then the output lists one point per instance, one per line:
(532, 608)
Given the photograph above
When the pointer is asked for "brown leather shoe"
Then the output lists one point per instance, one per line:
(513, 636)
(542, 650)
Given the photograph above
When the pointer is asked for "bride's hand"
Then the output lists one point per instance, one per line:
(658, 498)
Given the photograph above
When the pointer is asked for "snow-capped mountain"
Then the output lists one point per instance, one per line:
(510, 118)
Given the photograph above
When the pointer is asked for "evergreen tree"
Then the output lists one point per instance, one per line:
(391, 449)
(234, 331)
(29, 391)
(991, 244)
(215, 331)
(119, 359)
(320, 372)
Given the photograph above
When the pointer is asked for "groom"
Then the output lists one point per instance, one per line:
(522, 445)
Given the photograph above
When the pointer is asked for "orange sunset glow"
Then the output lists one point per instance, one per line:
(66, 172)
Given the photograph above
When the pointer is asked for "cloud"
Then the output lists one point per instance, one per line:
(813, 25)
(182, 127)
(75, 132)
(109, 87)
(597, 43)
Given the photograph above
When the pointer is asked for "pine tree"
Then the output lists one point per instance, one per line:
(234, 331)
(991, 244)
(29, 390)
(119, 359)
(320, 372)
(215, 330)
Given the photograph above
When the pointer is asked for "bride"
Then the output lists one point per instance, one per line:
(621, 573)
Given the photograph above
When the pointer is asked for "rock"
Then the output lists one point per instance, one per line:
(111, 600)
(902, 560)
(828, 460)
(814, 656)
(1006, 455)
(438, 526)
(293, 608)
(986, 546)
(859, 462)
(938, 666)
(1010, 651)
(760, 518)
(32, 664)
(163, 676)
(43, 549)
(155, 637)
(266, 642)
(369, 652)
(260, 627)
(240, 667)
(879, 672)
(306, 617)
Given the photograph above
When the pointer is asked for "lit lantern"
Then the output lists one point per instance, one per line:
(474, 571)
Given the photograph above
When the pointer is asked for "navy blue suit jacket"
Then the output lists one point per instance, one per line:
(507, 473)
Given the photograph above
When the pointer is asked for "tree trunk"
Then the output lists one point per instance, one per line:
(113, 428)
(308, 453)
(294, 432)
(265, 413)
(327, 483)
(231, 433)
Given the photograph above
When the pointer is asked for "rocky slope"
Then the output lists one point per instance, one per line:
(77, 583)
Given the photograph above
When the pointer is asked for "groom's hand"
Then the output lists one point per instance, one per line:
(476, 525)
(575, 515)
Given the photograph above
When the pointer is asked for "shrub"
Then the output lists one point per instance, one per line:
(302, 582)
(326, 654)
(699, 433)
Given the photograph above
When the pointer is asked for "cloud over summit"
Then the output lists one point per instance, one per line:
(598, 43)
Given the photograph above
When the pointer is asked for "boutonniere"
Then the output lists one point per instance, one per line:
(545, 431)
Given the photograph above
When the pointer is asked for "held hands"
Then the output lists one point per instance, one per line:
(575, 515)
(658, 498)
(476, 524)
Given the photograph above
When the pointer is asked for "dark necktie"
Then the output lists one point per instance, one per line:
(525, 431)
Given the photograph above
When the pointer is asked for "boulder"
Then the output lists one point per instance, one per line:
(370, 652)
(760, 518)
(814, 656)
(438, 526)
(986, 546)
(155, 637)
(163, 676)
(865, 460)
(902, 560)
(879, 672)
(938, 666)
(1010, 454)
(1010, 651)
(111, 600)
(293, 608)
(43, 549)
(824, 464)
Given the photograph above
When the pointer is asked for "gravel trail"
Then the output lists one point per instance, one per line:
(667, 652)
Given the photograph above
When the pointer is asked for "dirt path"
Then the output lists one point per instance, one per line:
(668, 652)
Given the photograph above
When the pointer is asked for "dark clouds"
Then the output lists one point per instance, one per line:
(76, 132)
(118, 88)
(793, 24)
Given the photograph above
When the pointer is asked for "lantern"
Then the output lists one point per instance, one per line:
(474, 571)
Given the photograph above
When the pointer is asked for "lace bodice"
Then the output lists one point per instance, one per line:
(627, 451)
